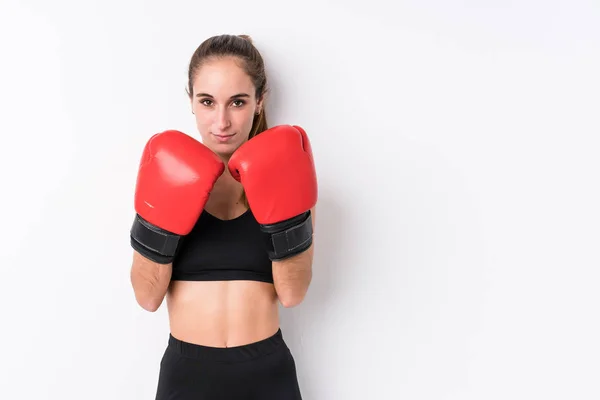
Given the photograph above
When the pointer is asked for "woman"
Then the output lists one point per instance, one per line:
(223, 230)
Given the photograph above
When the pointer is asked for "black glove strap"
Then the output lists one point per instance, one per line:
(153, 242)
(288, 238)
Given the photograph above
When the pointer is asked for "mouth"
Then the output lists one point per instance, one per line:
(223, 138)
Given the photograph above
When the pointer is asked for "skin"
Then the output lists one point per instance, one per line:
(223, 313)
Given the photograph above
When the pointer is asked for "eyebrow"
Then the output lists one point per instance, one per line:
(235, 96)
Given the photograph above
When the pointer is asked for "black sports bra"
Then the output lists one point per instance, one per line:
(223, 250)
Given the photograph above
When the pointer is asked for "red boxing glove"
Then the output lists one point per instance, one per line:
(277, 171)
(176, 175)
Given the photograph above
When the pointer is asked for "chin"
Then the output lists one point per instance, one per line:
(225, 150)
(228, 146)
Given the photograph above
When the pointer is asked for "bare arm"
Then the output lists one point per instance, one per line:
(292, 276)
(150, 281)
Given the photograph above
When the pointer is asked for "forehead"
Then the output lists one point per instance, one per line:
(222, 77)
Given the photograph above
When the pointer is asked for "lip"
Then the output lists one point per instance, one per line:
(223, 138)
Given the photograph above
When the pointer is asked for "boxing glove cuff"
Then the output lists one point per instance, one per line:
(152, 242)
(288, 238)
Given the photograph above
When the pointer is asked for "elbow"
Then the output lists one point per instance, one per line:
(292, 279)
(148, 300)
(293, 294)
(149, 285)
(148, 303)
(290, 300)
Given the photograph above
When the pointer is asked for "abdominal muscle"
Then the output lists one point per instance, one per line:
(222, 313)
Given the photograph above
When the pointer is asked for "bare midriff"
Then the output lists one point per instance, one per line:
(222, 313)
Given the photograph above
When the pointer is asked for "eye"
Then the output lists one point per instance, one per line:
(239, 103)
(205, 101)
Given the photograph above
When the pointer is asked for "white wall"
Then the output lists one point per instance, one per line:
(458, 222)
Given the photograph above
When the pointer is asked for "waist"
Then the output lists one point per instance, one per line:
(222, 314)
(246, 352)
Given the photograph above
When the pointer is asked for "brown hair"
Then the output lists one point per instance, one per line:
(242, 47)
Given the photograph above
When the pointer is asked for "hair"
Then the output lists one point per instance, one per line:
(241, 47)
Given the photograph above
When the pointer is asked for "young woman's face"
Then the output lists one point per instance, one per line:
(224, 104)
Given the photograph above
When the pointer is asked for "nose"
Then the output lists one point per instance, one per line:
(222, 121)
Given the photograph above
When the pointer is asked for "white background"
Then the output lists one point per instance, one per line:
(458, 225)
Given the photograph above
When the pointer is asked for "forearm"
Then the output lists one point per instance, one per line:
(292, 277)
(150, 281)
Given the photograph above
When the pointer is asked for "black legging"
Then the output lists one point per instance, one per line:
(263, 370)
